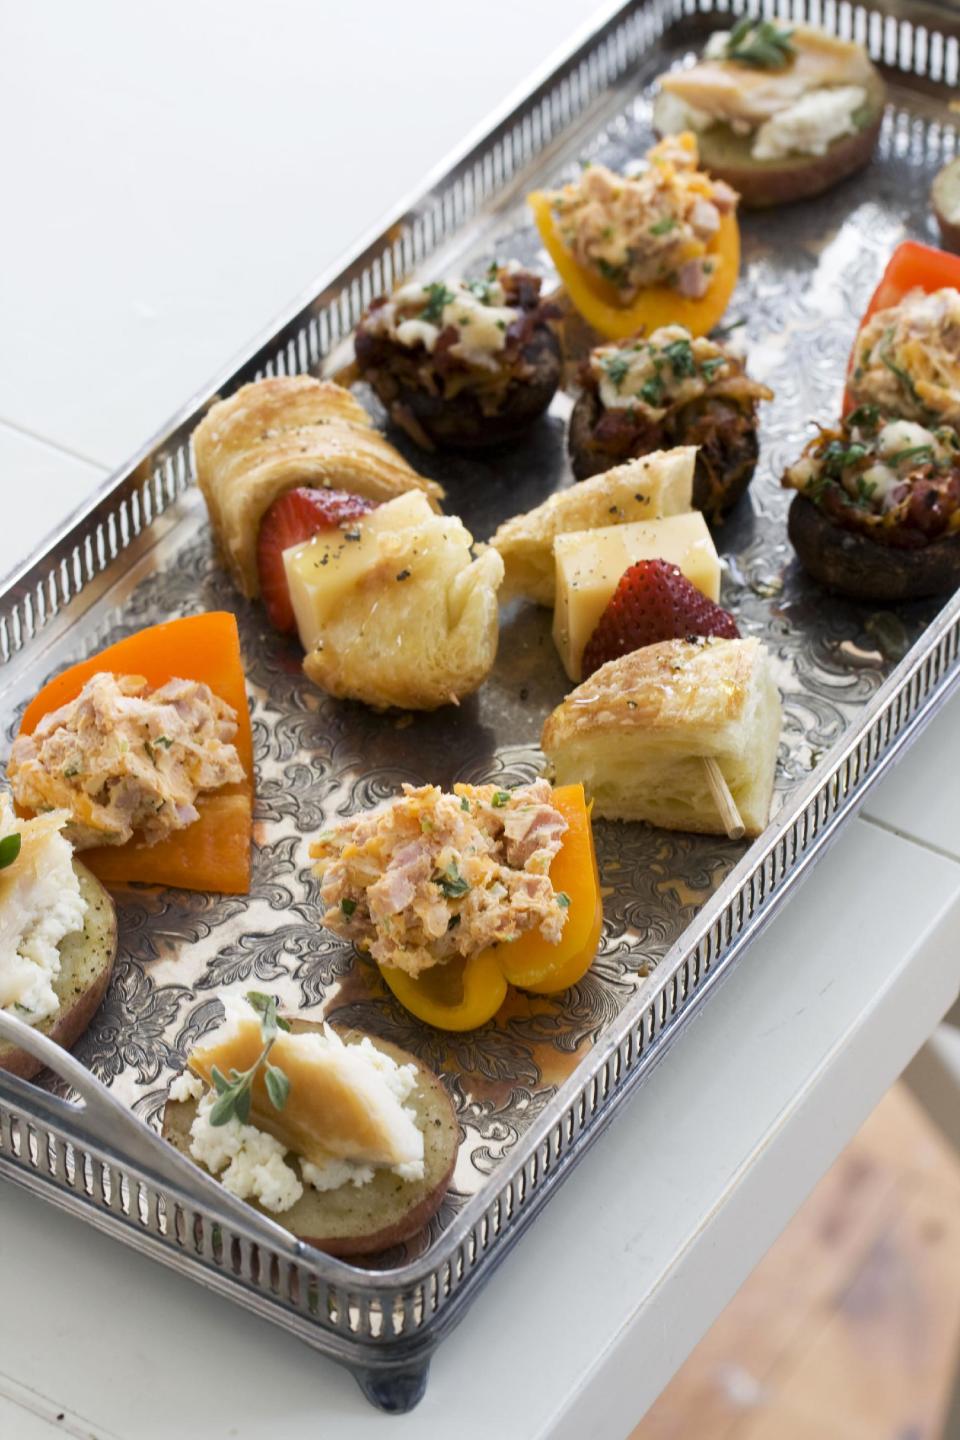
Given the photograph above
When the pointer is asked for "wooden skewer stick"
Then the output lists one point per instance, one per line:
(724, 801)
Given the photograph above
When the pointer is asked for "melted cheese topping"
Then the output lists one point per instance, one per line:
(907, 358)
(40, 903)
(652, 376)
(418, 314)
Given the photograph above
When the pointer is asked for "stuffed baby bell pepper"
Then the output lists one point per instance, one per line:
(636, 252)
(457, 896)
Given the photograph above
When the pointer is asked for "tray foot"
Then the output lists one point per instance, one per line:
(396, 1391)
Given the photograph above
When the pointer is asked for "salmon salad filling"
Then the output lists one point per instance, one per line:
(125, 759)
(429, 876)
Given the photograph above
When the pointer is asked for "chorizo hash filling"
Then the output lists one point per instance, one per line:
(649, 228)
(892, 480)
(125, 759)
(906, 360)
(656, 375)
(452, 334)
(430, 876)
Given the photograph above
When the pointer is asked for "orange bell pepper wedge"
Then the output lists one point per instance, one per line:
(460, 995)
(214, 852)
(912, 266)
(658, 304)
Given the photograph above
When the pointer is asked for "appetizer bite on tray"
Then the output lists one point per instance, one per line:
(906, 357)
(682, 734)
(462, 363)
(646, 489)
(146, 747)
(276, 435)
(671, 388)
(456, 896)
(780, 114)
(877, 514)
(58, 933)
(348, 1140)
(591, 563)
(392, 608)
(636, 252)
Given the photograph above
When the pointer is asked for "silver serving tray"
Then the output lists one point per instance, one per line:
(533, 1088)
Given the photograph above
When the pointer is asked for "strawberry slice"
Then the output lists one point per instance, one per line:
(653, 601)
(294, 517)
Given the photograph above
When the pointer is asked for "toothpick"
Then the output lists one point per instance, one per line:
(724, 801)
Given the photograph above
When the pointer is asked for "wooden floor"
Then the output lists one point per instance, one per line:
(849, 1329)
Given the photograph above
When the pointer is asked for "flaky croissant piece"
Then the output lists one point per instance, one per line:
(637, 731)
(276, 434)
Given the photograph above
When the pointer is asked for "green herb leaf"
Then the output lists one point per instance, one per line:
(220, 1081)
(709, 367)
(759, 44)
(615, 274)
(664, 226)
(679, 353)
(616, 368)
(241, 1103)
(904, 379)
(348, 907)
(438, 296)
(278, 1086)
(451, 883)
(9, 849)
(913, 452)
(163, 740)
(464, 804)
(865, 417)
(223, 1109)
(563, 899)
(651, 391)
(499, 798)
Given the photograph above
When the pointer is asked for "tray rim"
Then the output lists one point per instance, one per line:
(543, 1156)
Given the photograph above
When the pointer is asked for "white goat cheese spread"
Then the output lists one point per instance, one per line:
(40, 904)
(810, 126)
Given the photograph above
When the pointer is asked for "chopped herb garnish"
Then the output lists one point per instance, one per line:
(348, 907)
(426, 824)
(904, 379)
(651, 391)
(453, 922)
(838, 457)
(499, 798)
(464, 804)
(865, 417)
(913, 452)
(563, 899)
(234, 1092)
(679, 353)
(616, 368)
(709, 368)
(438, 296)
(615, 274)
(451, 883)
(664, 226)
(9, 849)
(163, 740)
(69, 771)
(760, 44)
(865, 492)
(481, 289)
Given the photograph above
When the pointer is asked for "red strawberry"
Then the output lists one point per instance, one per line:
(292, 518)
(653, 601)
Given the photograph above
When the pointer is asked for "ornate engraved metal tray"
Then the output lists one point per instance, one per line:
(534, 1086)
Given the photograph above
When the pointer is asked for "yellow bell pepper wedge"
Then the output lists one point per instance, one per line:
(458, 995)
(463, 994)
(530, 962)
(659, 304)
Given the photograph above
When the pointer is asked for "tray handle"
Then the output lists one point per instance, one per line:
(125, 1137)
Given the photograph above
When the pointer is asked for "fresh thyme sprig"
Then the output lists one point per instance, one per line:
(760, 44)
(234, 1092)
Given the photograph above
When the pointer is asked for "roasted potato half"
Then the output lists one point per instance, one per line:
(362, 1220)
(762, 184)
(86, 964)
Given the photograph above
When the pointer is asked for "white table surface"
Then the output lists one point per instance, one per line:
(181, 172)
